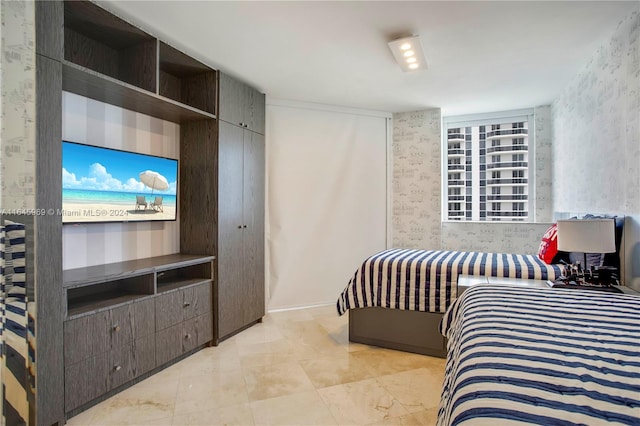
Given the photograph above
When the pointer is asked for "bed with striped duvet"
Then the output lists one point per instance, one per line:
(541, 356)
(426, 280)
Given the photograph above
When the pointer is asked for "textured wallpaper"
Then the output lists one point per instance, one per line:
(543, 173)
(416, 179)
(17, 141)
(95, 123)
(596, 129)
(417, 183)
(596, 138)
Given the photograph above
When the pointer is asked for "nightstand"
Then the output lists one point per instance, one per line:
(466, 281)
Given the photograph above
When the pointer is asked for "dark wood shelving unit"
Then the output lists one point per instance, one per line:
(100, 41)
(186, 80)
(112, 61)
(91, 84)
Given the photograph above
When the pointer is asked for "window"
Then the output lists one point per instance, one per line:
(490, 140)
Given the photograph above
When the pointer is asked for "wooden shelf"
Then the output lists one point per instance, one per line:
(101, 41)
(186, 80)
(80, 277)
(176, 284)
(90, 304)
(91, 84)
(106, 286)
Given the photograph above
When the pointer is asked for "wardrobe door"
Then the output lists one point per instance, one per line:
(254, 183)
(234, 97)
(231, 263)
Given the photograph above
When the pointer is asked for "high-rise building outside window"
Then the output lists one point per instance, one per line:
(488, 167)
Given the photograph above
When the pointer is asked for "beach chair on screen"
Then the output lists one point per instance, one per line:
(141, 203)
(157, 204)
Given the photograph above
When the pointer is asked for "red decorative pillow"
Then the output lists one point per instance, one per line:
(549, 245)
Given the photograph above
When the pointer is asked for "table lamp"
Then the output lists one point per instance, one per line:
(587, 236)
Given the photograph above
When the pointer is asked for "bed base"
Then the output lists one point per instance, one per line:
(409, 331)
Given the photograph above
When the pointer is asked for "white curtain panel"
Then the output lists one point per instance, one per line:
(326, 200)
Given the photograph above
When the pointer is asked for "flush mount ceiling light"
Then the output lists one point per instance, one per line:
(408, 53)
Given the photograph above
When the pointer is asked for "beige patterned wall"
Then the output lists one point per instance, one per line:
(416, 194)
(416, 179)
(596, 138)
(17, 140)
(95, 123)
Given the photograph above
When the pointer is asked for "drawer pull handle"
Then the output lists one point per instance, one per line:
(116, 327)
(117, 368)
(187, 336)
(187, 304)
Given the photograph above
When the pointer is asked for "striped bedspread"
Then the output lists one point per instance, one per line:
(541, 356)
(426, 280)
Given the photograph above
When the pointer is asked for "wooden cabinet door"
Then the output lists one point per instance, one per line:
(86, 336)
(231, 263)
(256, 111)
(169, 309)
(233, 100)
(253, 235)
(197, 300)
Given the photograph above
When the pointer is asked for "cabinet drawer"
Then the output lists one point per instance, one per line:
(86, 336)
(144, 315)
(197, 331)
(132, 360)
(197, 300)
(169, 309)
(168, 344)
(85, 380)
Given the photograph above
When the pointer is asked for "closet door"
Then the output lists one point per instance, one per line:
(231, 262)
(234, 100)
(254, 183)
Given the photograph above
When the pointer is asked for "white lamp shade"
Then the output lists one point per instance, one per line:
(587, 235)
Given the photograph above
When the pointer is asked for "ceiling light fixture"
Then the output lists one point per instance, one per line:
(408, 53)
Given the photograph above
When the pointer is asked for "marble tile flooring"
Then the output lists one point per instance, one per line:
(296, 368)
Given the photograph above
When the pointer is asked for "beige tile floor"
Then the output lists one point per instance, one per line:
(295, 368)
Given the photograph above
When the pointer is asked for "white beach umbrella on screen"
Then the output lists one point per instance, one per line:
(154, 180)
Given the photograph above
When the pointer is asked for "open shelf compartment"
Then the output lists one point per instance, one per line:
(97, 40)
(106, 295)
(186, 80)
(171, 279)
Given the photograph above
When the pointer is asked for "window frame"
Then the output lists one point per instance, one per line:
(487, 119)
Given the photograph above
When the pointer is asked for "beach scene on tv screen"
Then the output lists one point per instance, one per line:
(106, 185)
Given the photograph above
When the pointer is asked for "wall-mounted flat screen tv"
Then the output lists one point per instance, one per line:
(109, 185)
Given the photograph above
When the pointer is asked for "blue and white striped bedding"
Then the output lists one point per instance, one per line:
(426, 280)
(541, 356)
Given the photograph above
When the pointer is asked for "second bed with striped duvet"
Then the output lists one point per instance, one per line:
(426, 280)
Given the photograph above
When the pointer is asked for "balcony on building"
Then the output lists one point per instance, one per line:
(508, 165)
(508, 181)
(507, 213)
(455, 167)
(508, 149)
(455, 137)
(506, 133)
(507, 197)
(456, 213)
(455, 152)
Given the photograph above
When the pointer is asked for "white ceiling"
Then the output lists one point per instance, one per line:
(483, 56)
